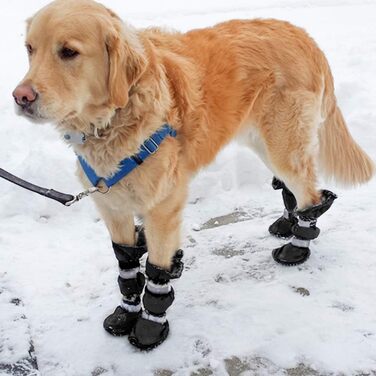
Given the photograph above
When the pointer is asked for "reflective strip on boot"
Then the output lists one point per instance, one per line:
(130, 303)
(129, 273)
(300, 242)
(159, 319)
(130, 306)
(303, 243)
(306, 224)
(155, 288)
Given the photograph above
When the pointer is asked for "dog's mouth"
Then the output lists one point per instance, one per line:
(31, 113)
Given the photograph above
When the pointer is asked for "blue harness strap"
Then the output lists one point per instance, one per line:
(148, 148)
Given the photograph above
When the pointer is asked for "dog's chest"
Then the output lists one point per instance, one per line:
(137, 193)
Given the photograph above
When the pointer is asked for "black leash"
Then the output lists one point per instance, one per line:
(63, 198)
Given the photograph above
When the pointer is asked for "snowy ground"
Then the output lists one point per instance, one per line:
(236, 312)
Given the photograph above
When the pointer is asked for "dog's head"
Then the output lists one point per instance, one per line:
(83, 61)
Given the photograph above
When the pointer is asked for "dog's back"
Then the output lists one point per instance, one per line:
(268, 77)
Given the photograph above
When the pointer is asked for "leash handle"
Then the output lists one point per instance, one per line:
(63, 198)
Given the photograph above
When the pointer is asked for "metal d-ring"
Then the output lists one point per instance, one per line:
(102, 187)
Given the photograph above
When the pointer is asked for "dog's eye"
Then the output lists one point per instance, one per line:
(67, 53)
(29, 49)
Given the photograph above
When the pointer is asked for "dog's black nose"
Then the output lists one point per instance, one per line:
(24, 95)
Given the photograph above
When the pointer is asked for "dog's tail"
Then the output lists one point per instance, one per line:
(341, 158)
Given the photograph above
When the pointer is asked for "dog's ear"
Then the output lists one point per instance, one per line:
(127, 62)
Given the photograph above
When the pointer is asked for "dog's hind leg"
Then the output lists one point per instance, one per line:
(290, 134)
(303, 231)
(164, 263)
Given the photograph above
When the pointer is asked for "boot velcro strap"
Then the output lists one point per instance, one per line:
(162, 276)
(305, 233)
(134, 286)
(289, 200)
(128, 256)
(288, 197)
(158, 304)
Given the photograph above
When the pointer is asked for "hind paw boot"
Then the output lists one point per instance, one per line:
(131, 283)
(152, 327)
(304, 231)
(282, 227)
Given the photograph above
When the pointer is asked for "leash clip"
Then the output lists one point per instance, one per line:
(101, 188)
(82, 195)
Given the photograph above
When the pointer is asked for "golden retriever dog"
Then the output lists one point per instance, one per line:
(263, 82)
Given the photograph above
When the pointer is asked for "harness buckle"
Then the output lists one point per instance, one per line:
(153, 142)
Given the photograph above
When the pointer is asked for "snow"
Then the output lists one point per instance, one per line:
(236, 311)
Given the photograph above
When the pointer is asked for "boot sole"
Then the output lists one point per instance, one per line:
(290, 263)
(134, 341)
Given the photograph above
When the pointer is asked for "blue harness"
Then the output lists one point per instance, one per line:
(127, 165)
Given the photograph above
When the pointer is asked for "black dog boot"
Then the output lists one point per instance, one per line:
(283, 225)
(152, 327)
(305, 230)
(131, 283)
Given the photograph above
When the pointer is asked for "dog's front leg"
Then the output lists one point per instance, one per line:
(128, 242)
(162, 226)
(119, 222)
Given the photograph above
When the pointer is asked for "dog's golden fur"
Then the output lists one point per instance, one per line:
(264, 82)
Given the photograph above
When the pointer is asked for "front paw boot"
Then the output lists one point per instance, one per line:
(282, 227)
(305, 230)
(131, 283)
(152, 327)
(125, 316)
